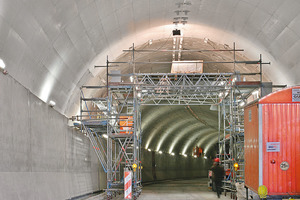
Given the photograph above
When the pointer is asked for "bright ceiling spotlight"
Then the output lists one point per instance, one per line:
(52, 103)
(255, 92)
(205, 157)
(149, 150)
(105, 136)
(2, 64)
(184, 155)
(172, 154)
(195, 156)
(160, 152)
(242, 103)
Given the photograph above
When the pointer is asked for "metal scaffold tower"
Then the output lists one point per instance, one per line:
(113, 123)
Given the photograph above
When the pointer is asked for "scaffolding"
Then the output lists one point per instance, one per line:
(116, 118)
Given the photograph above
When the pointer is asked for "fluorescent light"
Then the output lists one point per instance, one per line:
(2, 64)
(105, 136)
(205, 157)
(195, 156)
(131, 78)
(149, 150)
(242, 103)
(160, 152)
(172, 154)
(184, 155)
(52, 103)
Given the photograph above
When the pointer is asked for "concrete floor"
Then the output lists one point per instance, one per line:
(175, 190)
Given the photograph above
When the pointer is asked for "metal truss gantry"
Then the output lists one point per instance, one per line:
(117, 118)
(113, 123)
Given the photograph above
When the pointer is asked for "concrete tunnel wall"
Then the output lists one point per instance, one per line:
(41, 156)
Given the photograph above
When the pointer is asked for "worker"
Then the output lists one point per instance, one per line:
(218, 174)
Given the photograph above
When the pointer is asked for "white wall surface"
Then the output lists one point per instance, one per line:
(40, 156)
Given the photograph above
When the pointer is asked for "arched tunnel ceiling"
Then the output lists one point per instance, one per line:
(177, 129)
(51, 46)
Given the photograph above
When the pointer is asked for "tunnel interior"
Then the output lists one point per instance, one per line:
(49, 50)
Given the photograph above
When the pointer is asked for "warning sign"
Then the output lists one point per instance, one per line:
(273, 146)
(296, 95)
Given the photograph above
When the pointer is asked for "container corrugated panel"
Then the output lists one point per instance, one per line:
(281, 123)
(251, 147)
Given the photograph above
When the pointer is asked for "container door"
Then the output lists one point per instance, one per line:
(281, 148)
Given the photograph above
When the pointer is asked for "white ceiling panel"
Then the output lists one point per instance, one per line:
(241, 14)
(9, 9)
(110, 23)
(283, 42)
(125, 15)
(85, 48)
(76, 29)
(64, 38)
(270, 6)
(105, 8)
(255, 23)
(4, 30)
(294, 25)
(90, 16)
(288, 10)
(291, 56)
(82, 4)
(97, 37)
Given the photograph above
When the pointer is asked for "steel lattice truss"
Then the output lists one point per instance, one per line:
(181, 89)
(119, 117)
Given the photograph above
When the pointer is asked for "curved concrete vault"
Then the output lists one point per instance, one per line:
(51, 46)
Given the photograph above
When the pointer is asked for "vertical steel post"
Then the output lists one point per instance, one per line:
(260, 68)
(109, 145)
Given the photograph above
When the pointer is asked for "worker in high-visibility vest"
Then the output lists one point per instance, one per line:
(218, 174)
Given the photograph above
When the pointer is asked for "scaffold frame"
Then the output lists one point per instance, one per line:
(117, 117)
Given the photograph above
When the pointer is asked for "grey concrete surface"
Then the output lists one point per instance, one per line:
(40, 156)
(195, 189)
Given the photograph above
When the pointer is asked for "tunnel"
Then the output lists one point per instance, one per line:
(51, 51)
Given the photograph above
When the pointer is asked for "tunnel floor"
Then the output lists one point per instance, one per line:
(175, 190)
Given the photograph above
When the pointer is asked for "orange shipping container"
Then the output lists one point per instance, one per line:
(272, 143)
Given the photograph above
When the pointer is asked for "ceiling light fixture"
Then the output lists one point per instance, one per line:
(105, 136)
(52, 103)
(2, 64)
